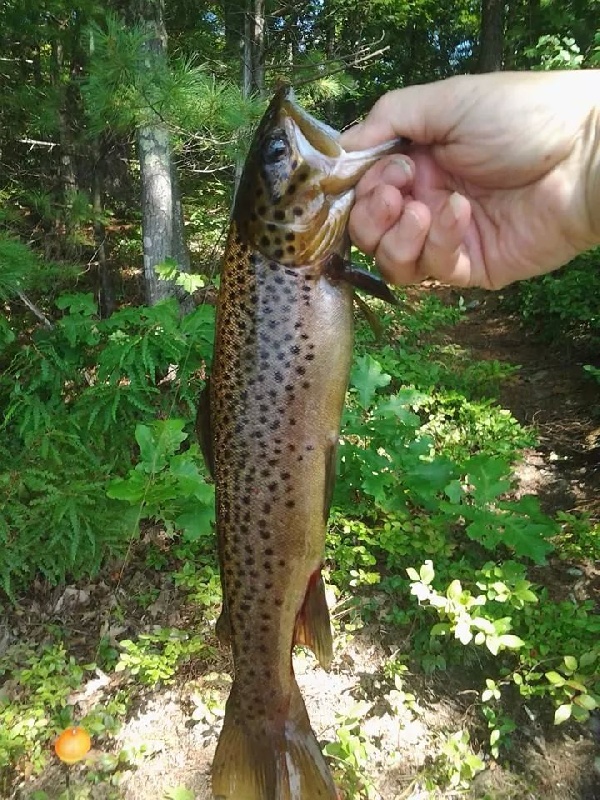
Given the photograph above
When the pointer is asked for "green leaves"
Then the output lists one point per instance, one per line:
(167, 485)
(367, 377)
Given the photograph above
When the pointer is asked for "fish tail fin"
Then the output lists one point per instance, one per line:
(313, 626)
(271, 760)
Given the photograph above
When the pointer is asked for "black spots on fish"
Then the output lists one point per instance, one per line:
(265, 241)
(278, 253)
(300, 370)
(298, 211)
(262, 210)
(291, 503)
(290, 249)
(306, 384)
(290, 236)
(309, 357)
(266, 508)
(291, 188)
(279, 214)
(289, 387)
(271, 227)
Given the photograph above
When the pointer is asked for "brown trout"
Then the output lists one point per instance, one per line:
(281, 364)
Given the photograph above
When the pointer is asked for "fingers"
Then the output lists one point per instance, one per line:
(398, 253)
(409, 240)
(444, 255)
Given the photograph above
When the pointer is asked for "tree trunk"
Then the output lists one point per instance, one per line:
(162, 213)
(253, 60)
(254, 49)
(67, 176)
(491, 36)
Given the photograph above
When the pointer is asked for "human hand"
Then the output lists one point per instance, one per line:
(501, 183)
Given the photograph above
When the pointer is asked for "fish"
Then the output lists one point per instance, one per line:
(269, 428)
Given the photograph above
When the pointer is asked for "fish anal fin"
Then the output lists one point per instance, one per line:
(268, 759)
(313, 626)
(204, 428)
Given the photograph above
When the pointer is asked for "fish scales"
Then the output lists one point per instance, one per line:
(278, 420)
(283, 351)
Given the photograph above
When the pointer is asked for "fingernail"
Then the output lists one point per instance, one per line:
(404, 164)
(451, 210)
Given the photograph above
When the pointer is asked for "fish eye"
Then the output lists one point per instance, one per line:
(275, 149)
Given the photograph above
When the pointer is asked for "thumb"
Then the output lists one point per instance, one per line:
(415, 112)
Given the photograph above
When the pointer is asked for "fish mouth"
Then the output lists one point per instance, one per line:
(323, 138)
(319, 146)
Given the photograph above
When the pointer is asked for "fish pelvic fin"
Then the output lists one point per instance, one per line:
(270, 760)
(313, 626)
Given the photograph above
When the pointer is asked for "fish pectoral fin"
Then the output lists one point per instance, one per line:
(313, 626)
(369, 283)
(204, 428)
(270, 759)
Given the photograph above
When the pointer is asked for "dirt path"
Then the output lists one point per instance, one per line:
(550, 392)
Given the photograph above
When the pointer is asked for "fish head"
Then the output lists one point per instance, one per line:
(297, 187)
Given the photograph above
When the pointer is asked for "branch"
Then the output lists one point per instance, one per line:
(35, 310)
(38, 143)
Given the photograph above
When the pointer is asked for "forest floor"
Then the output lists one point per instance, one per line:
(170, 735)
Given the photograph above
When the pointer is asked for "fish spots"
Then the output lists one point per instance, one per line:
(298, 211)
(279, 214)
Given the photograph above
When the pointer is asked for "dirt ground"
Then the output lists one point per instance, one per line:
(548, 763)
